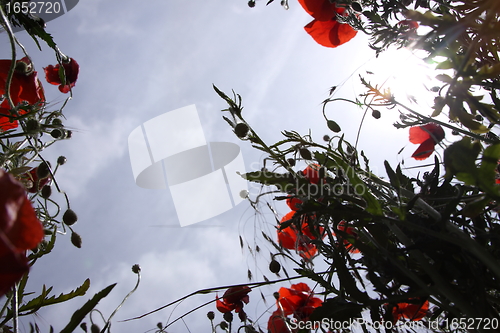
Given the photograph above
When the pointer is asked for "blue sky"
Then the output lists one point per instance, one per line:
(140, 61)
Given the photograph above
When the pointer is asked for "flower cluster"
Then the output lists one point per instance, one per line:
(26, 90)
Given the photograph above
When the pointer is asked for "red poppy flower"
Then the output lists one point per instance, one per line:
(325, 29)
(298, 301)
(293, 203)
(25, 86)
(20, 230)
(71, 69)
(411, 311)
(311, 173)
(350, 231)
(277, 323)
(428, 135)
(408, 25)
(291, 239)
(233, 299)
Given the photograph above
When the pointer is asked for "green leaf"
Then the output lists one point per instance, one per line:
(42, 300)
(460, 160)
(447, 64)
(80, 314)
(333, 126)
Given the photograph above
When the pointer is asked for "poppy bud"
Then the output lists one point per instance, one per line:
(76, 240)
(136, 268)
(223, 325)
(56, 133)
(69, 217)
(251, 3)
(32, 125)
(274, 266)
(46, 191)
(159, 325)
(241, 130)
(326, 138)
(95, 329)
(57, 122)
(305, 154)
(276, 295)
(83, 326)
(376, 114)
(291, 162)
(211, 315)
(43, 170)
(228, 316)
(356, 6)
(333, 126)
(23, 68)
(61, 160)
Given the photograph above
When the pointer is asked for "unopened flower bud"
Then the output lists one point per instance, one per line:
(228, 316)
(136, 268)
(376, 114)
(241, 130)
(276, 295)
(291, 162)
(159, 325)
(274, 266)
(61, 160)
(83, 326)
(43, 170)
(57, 122)
(211, 315)
(326, 138)
(95, 329)
(46, 191)
(251, 3)
(69, 217)
(223, 325)
(57, 133)
(305, 154)
(32, 125)
(76, 240)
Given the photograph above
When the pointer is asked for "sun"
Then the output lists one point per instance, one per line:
(410, 79)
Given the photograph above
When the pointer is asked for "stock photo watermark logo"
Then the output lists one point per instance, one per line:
(202, 176)
(42, 11)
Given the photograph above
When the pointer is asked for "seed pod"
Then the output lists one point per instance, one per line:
(211, 315)
(136, 268)
(274, 266)
(76, 240)
(69, 217)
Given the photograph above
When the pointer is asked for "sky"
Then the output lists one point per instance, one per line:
(140, 61)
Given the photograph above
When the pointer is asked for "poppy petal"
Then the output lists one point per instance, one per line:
(419, 134)
(424, 150)
(320, 10)
(330, 33)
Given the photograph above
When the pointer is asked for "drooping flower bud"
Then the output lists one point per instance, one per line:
(76, 240)
(69, 217)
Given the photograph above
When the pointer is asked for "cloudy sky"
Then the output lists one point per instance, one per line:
(140, 61)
